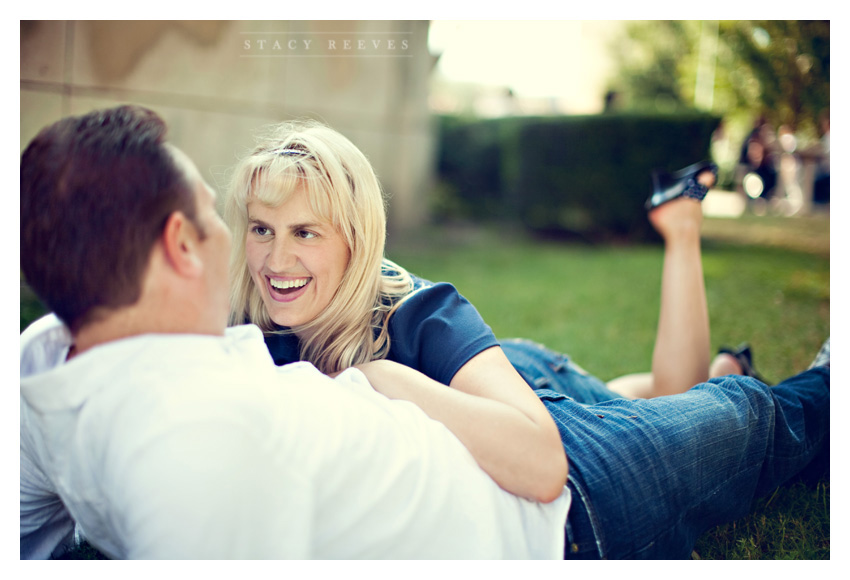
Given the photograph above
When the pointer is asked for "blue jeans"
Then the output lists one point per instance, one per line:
(648, 476)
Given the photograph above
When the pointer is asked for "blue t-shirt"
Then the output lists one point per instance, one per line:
(435, 331)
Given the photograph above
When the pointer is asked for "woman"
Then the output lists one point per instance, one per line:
(308, 224)
(308, 256)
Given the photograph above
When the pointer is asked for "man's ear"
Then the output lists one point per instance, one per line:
(180, 242)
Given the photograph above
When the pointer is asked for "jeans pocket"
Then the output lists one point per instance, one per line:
(545, 394)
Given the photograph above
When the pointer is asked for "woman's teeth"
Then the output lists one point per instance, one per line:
(288, 284)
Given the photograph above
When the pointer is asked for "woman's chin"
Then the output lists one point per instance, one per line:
(287, 320)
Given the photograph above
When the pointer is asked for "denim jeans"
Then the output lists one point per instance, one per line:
(648, 476)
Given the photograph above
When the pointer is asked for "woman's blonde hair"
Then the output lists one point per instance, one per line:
(342, 190)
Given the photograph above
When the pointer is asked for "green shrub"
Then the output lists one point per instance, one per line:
(470, 167)
(581, 176)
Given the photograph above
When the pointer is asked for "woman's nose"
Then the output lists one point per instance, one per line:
(282, 256)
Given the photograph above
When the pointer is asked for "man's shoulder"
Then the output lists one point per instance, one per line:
(47, 325)
(42, 343)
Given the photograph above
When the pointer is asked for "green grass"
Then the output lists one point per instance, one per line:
(767, 282)
(600, 304)
(791, 524)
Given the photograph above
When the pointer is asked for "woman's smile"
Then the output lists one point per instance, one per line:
(287, 290)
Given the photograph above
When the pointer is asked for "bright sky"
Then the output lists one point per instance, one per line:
(560, 59)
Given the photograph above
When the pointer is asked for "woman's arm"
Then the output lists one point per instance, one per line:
(494, 413)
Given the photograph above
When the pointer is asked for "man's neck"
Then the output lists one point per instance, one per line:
(134, 321)
(113, 326)
(168, 304)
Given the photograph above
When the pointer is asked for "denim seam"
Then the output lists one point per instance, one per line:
(596, 528)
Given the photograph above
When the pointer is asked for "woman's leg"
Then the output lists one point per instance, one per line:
(681, 356)
(640, 385)
(649, 476)
(634, 386)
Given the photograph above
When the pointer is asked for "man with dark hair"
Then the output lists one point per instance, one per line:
(164, 434)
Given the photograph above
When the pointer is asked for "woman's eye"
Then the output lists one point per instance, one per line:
(260, 230)
(305, 235)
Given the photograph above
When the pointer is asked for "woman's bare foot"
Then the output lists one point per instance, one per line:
(681, 217)
(677, 219)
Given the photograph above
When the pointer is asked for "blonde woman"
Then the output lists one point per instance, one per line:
(308, 222)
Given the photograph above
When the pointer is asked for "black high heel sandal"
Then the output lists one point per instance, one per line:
(683, 183)
(744, 355)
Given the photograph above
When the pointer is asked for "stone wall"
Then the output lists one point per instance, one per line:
(217, 82)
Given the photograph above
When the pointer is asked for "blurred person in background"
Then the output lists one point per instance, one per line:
(757, 174)
(821, 188)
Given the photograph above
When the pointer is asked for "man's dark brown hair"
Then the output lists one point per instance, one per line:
(96, 192)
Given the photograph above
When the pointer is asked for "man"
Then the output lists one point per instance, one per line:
(164, 436)
(161, 434)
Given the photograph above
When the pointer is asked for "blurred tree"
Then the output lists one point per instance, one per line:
(775, 68)
(789, 59)
(647, 63)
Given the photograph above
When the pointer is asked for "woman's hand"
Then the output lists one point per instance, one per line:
(494, 413)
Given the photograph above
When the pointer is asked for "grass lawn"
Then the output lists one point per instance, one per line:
(767, 282)
(600, 304)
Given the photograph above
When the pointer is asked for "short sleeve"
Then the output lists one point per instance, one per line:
(436, 331)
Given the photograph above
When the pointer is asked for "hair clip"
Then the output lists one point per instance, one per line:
(292, 152)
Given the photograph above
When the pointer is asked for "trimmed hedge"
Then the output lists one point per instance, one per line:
(582, 176)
